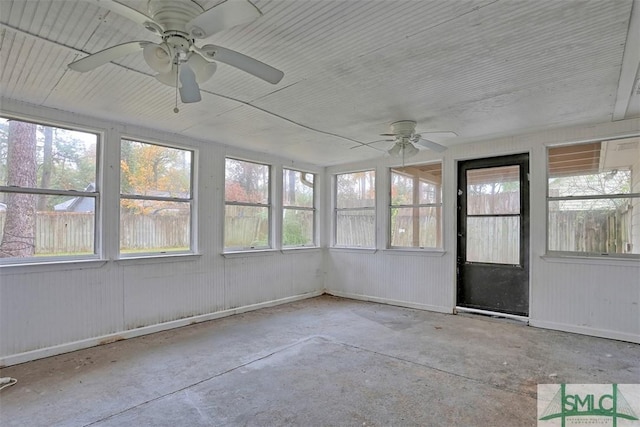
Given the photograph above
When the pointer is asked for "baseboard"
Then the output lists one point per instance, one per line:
(145, 330)
(594, 332)
(407, 304)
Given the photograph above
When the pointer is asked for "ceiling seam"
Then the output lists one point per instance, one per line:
(292, 121)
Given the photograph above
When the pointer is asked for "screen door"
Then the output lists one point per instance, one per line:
(493, 234)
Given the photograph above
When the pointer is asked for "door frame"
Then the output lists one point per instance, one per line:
(525, 248)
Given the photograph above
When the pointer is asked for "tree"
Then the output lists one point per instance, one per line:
(18, 237)
(246, 181)
(47, 163)
(153, 170)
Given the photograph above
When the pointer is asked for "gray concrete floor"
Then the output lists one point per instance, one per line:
(320, 362)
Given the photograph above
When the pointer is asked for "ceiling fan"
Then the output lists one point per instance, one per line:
(405, 138)
(177, 60)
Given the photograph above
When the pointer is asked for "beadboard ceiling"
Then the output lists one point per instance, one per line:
(480, 68)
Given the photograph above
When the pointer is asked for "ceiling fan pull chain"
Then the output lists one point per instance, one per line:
(404, 147)
(175, 109)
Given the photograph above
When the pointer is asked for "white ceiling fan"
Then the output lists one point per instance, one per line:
(405, 138)
(177, 60)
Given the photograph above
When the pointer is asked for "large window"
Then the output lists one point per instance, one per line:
(247, 206)
(156, 198)
(48, 191)
(298, 213)
(594, 198)
(416, 206)
(355, 210)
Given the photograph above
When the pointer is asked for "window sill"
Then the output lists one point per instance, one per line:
(354, 250)
(250, 253)
(294, 249)
(434, 252)
(51, 266)
(591, 260)
(156, 259)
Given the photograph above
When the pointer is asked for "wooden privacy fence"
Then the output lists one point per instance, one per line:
(585, 231)
(154, 231)
(59, 233)
(595, 231)
(246, 231)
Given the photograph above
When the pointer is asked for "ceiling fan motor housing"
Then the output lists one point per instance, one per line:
(174, 15)
(404, 128)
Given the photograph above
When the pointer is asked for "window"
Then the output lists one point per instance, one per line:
(593, 198)
(48, 191)
(298, 213)
(416, 206)
(355, 211)
(247, 206)
(156, 198)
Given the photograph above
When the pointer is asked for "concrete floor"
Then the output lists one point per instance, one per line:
(319, 362)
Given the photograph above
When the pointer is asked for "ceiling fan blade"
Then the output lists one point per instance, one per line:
(222, 16)
(189, 89)
(430, 145)
(242, 62)
(388, 134)
(97, 59)
(129, 13)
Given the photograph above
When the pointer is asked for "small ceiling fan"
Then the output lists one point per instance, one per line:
(405, 138)
(177, 60)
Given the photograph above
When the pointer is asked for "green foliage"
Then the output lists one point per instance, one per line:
(293, 234)
(153, 170)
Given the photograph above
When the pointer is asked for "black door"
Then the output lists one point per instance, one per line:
(493, 234)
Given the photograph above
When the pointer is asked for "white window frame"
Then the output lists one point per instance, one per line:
(191, 200)
(415, 205)
(313, 209)
(96, 195)
(336, 210)
(268, 205)
(550, 199)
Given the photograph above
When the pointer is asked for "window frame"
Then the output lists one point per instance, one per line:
(96, 194)
(268, 205)
(313, 209)
(191, 200)
(416, 205)
(336, 210)
(550, 199)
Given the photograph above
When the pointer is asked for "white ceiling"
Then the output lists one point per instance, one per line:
(481, 68)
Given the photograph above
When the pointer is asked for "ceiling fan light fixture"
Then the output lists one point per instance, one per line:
(158, 57)
(403, 149)
(395, 150)
(168, 78)
(410, 150)
(203, 69)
